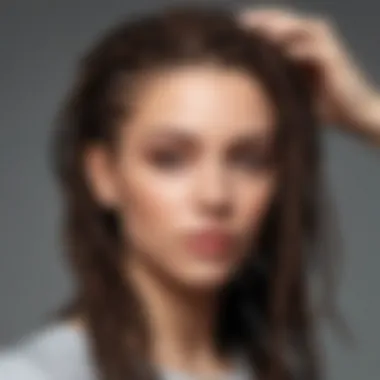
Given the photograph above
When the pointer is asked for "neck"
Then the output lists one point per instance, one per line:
(181, 322)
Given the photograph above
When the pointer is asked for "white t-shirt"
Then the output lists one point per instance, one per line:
(61, 352)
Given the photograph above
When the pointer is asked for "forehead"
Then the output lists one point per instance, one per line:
(205, 100)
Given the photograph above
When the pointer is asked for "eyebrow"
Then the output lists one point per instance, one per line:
(174, 133)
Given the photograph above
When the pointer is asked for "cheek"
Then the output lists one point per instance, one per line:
(152, 208)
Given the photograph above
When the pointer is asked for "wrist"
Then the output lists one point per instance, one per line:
(371, 115)
(367, 119)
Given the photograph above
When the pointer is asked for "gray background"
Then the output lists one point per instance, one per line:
(39, 44)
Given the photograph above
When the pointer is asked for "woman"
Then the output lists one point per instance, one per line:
(188, 158)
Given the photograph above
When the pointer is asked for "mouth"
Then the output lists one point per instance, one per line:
(211, 243)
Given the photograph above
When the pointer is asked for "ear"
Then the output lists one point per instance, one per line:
(100, 172)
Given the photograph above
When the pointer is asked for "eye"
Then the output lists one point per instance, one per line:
(168, 158)
(251, 160)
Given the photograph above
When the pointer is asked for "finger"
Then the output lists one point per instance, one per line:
(254, 17)
(303, 52)
(280, 20)
(287, 31)
(279, 26)
(248, 15)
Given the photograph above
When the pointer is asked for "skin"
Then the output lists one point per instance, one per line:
(344, 97)
(159, 205)
(197, 153)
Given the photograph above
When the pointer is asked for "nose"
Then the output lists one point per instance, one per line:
(213, 192)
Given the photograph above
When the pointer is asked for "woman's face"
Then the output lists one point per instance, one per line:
(194, 174)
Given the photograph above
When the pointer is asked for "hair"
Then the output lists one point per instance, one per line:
(265, 311)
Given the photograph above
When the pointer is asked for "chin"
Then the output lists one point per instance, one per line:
(205, 279)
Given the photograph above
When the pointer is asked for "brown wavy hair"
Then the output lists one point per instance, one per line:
(265, 311)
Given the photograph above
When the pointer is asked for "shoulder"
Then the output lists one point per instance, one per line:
(16, 366)
(57, 352)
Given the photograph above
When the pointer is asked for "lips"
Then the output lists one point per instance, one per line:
(210, 243)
